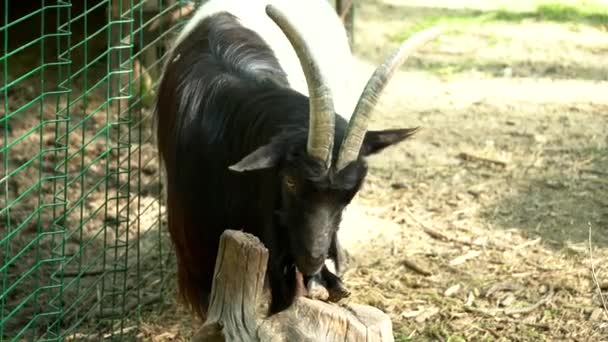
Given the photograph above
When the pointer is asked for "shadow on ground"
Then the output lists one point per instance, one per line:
(561, 201)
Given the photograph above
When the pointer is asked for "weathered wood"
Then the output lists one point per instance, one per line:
(237, 297)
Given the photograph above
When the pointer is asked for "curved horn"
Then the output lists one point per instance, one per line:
(321, 127)
(357, 127)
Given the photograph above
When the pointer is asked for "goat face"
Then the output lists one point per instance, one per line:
(312, 196)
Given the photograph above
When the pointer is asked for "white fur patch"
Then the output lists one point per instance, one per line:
(331, 266)
(322, 29)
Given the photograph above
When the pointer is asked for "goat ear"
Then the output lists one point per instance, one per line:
(376, 141)
(263, 157)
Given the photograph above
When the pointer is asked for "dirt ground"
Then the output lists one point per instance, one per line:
(494, 200)
(478, 228)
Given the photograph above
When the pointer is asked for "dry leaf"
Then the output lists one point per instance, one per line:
(426, 314)
(410, 314)
(463, 258)
(596, 315)
(480, 241)
(507, 300)
(470, 299)
(452, 290)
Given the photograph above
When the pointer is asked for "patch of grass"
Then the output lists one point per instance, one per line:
(451, 23)
(401, 336)
(456, 338)
(580, 12)
(590, 13)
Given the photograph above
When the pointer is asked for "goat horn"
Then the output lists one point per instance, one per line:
(321, 125)
(357, 127)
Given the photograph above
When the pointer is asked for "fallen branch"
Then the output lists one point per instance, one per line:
(416, 268)
(469, 157)
(594, 275)
(512, 311)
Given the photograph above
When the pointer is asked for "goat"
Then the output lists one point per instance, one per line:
(244, 150)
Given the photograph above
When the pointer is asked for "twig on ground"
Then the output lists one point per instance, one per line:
(464, 258)
(527, 244)
(469, 157)
(416, 268)
(432, 232)
(513, 311)
(504, 286)
(594, 275)
(594, 172)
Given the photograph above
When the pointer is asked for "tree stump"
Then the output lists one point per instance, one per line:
(236, 299)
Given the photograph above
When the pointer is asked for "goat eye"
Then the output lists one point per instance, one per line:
(290, 183)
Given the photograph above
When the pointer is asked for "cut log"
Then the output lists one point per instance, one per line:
(237, 299)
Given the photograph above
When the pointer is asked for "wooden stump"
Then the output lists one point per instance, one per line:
(235, 312)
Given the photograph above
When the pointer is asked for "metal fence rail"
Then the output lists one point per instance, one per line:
(79, 188)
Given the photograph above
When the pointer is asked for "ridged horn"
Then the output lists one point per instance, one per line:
(321, 123)
(357, 127)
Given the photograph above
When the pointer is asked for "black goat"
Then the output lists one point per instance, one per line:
(242, 150)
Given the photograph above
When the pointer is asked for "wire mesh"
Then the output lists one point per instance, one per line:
(80, 191)
(81, 251)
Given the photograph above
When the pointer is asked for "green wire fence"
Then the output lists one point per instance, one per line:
(82, 252)
(80, 245)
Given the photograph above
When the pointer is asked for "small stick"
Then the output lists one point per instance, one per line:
(505, 286)
(432, 232)
(527, 244)
(594, 172)
(594, 275)
(93, 273)
(513, 311)
(416, 268)
(470, 157)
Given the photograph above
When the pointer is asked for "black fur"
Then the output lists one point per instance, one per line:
(224, 97)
